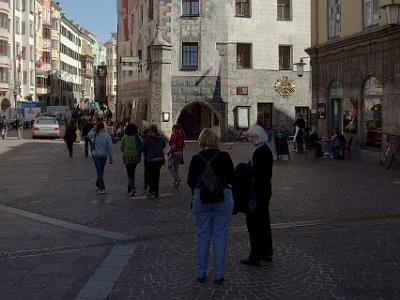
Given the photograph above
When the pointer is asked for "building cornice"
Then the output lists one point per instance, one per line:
(364, 36)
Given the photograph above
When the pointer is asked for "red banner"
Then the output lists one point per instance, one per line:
(125, 10)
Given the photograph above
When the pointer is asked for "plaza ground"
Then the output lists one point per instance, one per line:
(335, 231)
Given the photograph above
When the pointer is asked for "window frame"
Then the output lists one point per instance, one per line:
(290, 17)
(290, 58)
(190, 14)
(190, 67)
(250, 58)
(338, 23)
(372, 24)
(248, 15)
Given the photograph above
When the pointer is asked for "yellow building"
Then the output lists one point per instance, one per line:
(355, 59)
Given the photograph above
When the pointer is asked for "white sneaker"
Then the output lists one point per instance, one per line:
(102, 192)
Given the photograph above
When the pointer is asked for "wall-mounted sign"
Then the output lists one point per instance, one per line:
(129, 59)
(242, 120)
(242, 90)
(321, 110)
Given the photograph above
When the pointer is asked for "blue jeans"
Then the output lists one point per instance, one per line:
(176, 161)
(20, 131)
(4, 132)
(212, 223)
(100, 163)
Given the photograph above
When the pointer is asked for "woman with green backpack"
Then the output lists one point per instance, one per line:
(131, 147)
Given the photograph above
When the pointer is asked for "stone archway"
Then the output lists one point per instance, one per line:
(5, 104)
(196, 116)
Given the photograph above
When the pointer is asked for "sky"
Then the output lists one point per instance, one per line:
(97, 16)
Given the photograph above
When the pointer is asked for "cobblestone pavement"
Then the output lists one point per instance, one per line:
(335, 227)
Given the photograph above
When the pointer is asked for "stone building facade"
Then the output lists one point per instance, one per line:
(226, 59)
(356, 71)
(111, 81)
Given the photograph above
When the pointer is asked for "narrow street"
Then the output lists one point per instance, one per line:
(335, 231)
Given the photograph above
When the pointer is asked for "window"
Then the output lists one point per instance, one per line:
(242, 8)
(17, 4)
(190, 55)
(23, 5)
(333, 18)
(4, 21)
(17, 25)
(23, 30)
(151, 9)
(284, 10)
(190, 7)
(31, 6)
(115, 75)
(24, 77)
(31, 78)
(285, 58)
(31, 29)
(31, 54)
(264, 115)
(115, 88)
(371, 13)
(4, 75)
(243, 56)
(46, 57)
(3, 47)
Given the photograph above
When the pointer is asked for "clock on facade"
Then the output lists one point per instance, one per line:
(285, 86)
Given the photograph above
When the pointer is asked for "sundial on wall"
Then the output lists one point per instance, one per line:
(285, 86)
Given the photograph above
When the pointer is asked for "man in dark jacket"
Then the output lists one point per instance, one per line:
(70, 137)
(257, 219)
(153, 149)
(86, 129)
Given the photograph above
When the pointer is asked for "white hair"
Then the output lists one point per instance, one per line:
(257, 130)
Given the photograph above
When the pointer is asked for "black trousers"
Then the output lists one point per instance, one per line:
(70, 147)
(259, 227)
(153, 174)
(131, 170)
(86, 146)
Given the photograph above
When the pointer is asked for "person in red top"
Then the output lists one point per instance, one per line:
(177, 144)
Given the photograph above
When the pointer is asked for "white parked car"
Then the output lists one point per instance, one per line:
(46, 127)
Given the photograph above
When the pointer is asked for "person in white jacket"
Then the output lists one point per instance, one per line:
(101, 146)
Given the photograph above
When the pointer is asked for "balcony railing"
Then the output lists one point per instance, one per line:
(87, 73)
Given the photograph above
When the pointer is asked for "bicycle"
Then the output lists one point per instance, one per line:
(389, 155)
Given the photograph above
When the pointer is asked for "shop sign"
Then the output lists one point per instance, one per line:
(242, 90)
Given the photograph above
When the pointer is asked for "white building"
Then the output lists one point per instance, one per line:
(70, 64)
(111, 81)
(24, 49)
(6, 66)
(232, 62)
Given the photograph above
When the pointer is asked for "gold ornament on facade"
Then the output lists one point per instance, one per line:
(285, 86)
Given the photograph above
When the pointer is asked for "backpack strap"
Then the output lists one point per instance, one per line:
(208, 161)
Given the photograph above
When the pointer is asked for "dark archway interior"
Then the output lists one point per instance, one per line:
(194, 118)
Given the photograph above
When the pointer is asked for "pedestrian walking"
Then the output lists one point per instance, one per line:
(211, 176)
(70, 137)
(258, 220)
(19, 126)
(153, 149)
(131, 147)
(4, 124)
(177, 145)
(85, 131)
(101, 146)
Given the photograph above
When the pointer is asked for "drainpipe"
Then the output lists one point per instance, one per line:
(14, 56)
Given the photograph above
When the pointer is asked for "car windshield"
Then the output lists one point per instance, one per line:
(47, 121)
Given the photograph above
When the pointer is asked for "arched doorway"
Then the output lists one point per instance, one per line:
(5, 104)
(196, 116)
(372, 112)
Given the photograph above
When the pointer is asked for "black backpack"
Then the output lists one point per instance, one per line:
(211, 187)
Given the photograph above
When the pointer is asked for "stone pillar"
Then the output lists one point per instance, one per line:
(161, 98)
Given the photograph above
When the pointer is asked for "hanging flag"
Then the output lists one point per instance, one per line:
(125, 10)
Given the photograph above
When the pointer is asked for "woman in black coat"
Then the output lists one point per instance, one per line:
(258, 220)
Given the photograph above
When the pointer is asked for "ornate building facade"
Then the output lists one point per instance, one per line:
(223, 64)
(355, 58)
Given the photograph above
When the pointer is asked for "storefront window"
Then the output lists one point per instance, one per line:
(373, 112)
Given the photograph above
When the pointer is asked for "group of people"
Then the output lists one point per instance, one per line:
(5, 126)
(219, 190)
(324, 148)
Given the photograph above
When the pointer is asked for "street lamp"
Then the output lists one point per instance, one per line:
(300, 66)
(392, 12)
(16, 92)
